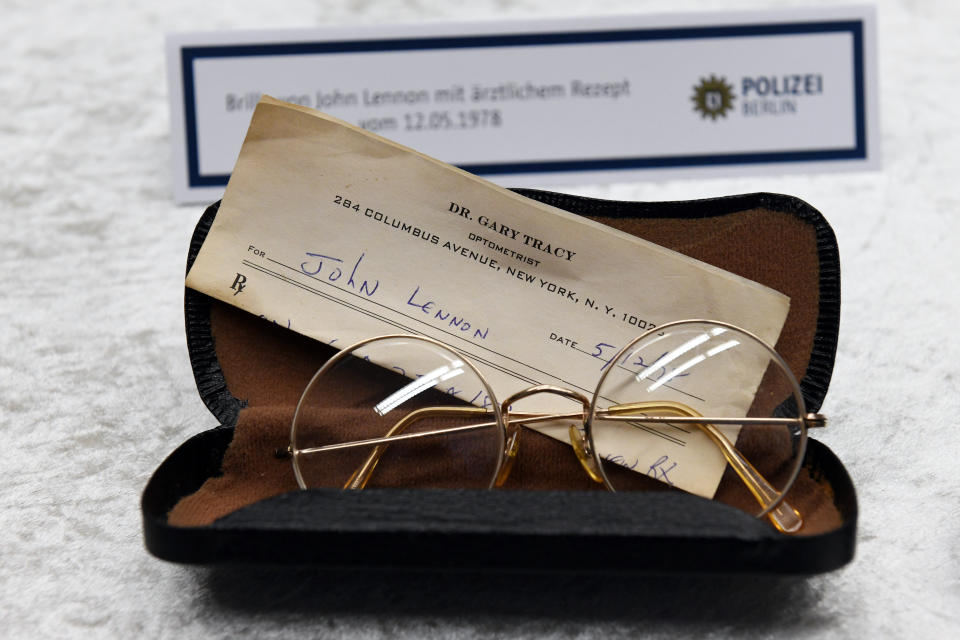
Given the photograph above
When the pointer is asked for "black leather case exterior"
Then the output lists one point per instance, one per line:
(504, 530)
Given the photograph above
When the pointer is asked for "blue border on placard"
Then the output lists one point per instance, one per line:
(855, 27)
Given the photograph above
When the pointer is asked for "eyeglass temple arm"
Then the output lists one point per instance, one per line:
(784, 517)
(359, 478)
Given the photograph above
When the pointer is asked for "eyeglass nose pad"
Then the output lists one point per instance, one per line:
(580, 446)
(509, 451)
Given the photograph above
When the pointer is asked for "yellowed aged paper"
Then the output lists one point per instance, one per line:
(341, 235)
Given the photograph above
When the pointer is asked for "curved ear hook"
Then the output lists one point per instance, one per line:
(359, 478)
(783, 516)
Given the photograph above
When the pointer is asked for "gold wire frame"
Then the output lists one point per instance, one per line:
(341, 355)
(781, 514)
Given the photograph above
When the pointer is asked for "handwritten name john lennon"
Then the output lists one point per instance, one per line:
(514, 234)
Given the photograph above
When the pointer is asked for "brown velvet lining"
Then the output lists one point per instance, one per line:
(268, 366)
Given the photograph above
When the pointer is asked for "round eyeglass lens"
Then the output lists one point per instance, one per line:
(703, 407)
(437, 411)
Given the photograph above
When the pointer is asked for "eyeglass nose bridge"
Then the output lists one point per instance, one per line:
(577, 438)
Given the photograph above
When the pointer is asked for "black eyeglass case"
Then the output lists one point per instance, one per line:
(222, 497)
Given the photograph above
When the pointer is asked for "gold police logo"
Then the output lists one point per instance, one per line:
(713, 97)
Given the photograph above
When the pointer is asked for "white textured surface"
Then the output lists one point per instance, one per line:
(96, 389)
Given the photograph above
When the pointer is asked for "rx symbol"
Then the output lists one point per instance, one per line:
(239, 283)
(659, 470)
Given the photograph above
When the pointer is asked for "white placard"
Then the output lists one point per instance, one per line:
(527, 103)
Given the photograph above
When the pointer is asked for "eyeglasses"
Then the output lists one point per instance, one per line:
(698, 405)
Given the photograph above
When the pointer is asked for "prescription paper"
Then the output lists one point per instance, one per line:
(341, 235)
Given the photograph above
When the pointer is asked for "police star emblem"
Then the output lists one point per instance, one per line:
(713, 97)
